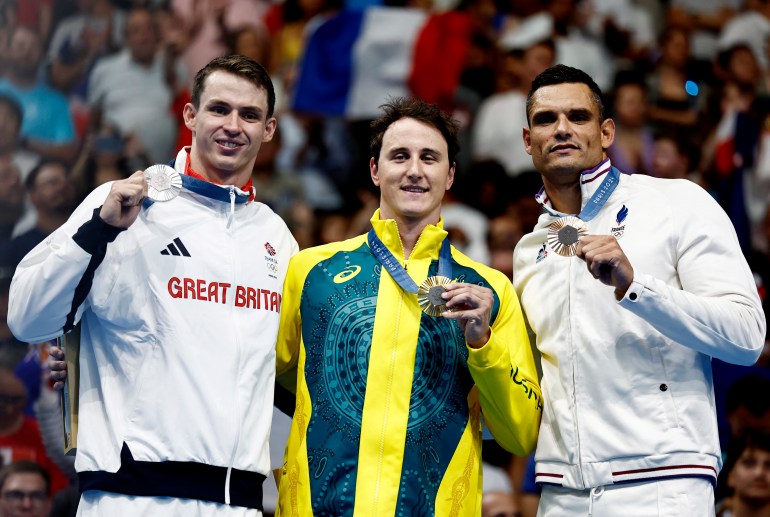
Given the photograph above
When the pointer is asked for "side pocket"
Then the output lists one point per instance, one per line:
(662, 384)
(143, 402)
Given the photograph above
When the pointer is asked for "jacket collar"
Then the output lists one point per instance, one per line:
(427, 246)
(590, 181)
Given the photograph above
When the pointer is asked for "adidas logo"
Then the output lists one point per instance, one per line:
(176, 248)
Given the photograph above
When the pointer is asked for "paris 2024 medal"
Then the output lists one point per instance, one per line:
(163, 182)
(563, 235)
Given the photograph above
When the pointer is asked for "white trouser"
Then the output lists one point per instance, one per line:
(678, 497)
(95, 503)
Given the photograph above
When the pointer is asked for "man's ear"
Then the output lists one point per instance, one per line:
(188, 114)
(270, 126)
(608, 133)
(527, 141)
(374, 171)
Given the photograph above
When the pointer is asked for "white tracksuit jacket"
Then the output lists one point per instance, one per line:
(179, 319)
(627, 385)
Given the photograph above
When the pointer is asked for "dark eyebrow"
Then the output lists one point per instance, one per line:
(424, 150)
(397, 150)
(542, 116)
(220, 102)
(587, 113)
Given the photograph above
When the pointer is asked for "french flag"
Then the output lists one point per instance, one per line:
(724, 140)
(355, 60)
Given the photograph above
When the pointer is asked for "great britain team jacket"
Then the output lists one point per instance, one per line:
(177, 360)
(389, 399)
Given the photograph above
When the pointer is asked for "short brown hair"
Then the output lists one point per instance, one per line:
(408, 107)
(24, 467)
(241, 66)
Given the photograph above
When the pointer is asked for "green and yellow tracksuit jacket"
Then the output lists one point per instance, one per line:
(387, 420)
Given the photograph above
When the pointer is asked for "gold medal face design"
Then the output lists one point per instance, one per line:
(429, 295)
(163, 182)
(563, 235)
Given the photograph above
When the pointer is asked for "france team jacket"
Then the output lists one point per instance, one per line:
(627, 384)
(389, 399)
(179, 317)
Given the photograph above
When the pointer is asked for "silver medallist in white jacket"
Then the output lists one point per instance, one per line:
(179, 321)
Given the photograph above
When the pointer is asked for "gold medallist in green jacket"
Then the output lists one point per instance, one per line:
(390, 390)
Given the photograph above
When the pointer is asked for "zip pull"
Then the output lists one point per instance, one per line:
(232, 207)
(596, 492)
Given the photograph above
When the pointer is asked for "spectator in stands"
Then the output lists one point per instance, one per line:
(11, 117)
(53, 195)
(11, 200)
(24, 490)
(19, 434)
(671, 157)
(750, 27)
(105, 156)
(497, 129)
(80, 40)
(671, 102)
(703, 22)
(134, 89)
(47, 127)
(748, 410)
(745, 478)
(632, 150)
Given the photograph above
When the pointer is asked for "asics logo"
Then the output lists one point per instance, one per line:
(346, 274)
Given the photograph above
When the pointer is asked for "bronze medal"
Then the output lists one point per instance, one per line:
(563, 235)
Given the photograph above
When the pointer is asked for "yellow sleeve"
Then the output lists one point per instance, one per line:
(506, 378)
(290, 330)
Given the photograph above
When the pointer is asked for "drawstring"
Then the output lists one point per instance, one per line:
(595, 493)
(232, 207)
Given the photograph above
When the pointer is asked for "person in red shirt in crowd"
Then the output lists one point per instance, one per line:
(19, 434)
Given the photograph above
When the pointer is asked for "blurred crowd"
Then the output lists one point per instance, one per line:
(92, 90)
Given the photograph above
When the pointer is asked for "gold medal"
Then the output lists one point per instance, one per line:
(163, 182)
(429, 295)
(563, 235)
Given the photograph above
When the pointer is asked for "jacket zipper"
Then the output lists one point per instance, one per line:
(238, 356)
(390, 378)
(574, 392)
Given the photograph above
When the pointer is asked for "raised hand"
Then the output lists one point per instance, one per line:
(124, 201)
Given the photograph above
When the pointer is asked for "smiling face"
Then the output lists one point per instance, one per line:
(413, 172)
(228, 127)
(566, 135)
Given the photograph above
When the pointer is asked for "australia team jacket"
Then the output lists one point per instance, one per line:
(389, 399)
(179, 317)
(627, 384)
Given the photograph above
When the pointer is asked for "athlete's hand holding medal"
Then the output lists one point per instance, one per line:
(438, 296)
(123, 203)
(568, 236)
(471, 306)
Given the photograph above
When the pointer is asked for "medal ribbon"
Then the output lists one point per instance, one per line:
(397, 271)
(601, 196)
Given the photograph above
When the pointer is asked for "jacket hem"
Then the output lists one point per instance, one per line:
(178, 479)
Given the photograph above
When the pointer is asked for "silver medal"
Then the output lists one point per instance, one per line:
(163, 182)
